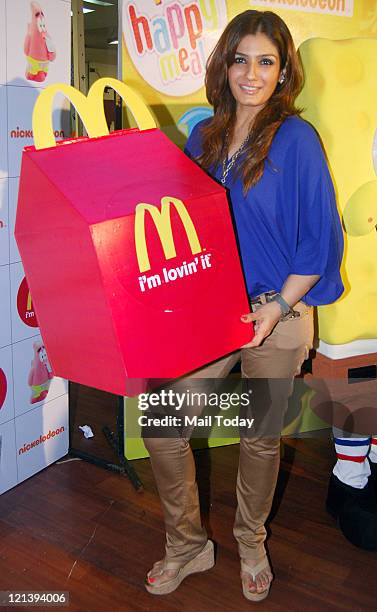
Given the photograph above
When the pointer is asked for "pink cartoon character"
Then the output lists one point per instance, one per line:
(38, 46)
(40, 374)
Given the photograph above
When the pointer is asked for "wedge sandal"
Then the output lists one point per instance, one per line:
(201, 563)
(253, 572)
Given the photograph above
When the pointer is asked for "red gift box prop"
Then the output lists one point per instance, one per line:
(130, 256)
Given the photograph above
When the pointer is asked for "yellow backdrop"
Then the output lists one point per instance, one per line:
(338, 46)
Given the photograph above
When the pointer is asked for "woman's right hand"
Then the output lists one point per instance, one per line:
(265, 319)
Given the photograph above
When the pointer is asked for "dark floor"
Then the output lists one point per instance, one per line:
(79, 528)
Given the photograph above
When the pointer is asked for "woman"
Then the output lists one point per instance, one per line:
(274, 169)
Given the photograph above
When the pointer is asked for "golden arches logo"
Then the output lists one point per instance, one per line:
(90, 108)
(162, 222)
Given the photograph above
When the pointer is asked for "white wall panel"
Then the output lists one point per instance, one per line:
(42, 437)
(6, 385)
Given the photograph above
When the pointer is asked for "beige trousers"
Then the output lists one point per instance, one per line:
(268, 370)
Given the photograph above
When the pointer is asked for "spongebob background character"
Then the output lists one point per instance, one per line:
(339, 98)
(38, 46)
(40, 374)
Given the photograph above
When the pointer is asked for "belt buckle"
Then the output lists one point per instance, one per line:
(255, 303)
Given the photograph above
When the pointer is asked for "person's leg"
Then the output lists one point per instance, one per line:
(174, 471)
(268, 371)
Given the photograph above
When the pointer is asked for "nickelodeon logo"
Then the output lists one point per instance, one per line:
(17, 133)
(162, 222)
(41, 440)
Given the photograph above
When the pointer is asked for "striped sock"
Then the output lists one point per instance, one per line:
(373, 450)
(352, 466)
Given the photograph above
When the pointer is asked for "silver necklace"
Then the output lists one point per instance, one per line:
(228, 164)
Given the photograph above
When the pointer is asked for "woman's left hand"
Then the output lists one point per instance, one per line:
(265, 319)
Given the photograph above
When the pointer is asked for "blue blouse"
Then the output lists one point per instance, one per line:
(288, 222)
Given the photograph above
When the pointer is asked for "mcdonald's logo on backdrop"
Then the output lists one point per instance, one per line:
(162, 222)
(25, 306)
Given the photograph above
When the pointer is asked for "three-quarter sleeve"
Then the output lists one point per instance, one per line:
(319, 236)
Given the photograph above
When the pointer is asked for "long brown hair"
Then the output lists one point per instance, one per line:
(280, 106)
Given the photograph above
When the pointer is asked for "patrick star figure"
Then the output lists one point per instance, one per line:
(38, 46)
(40, 374)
